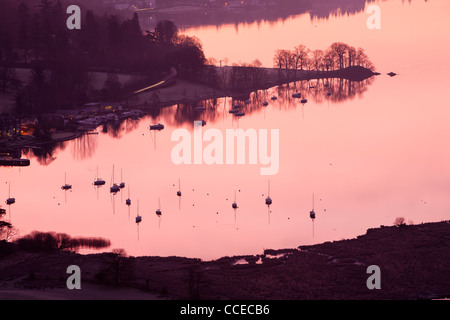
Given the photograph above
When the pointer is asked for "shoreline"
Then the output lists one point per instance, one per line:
(23, 142)
(412, 258)
(185, 91)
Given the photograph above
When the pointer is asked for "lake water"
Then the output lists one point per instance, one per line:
(369, 153)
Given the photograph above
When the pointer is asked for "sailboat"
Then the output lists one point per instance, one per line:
(66, 186)
(114, 188)
(98, 181)
(128, 201)
(268, 199)
(312, 214)
(138, 217)
(122, 184)
(234, 205)
(179, 194)
(158, 211)
(10, 200)
(158, 126)
(179, 188)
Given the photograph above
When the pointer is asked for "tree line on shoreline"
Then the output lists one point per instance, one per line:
(337, 56)
(62, 61)
(252, 76)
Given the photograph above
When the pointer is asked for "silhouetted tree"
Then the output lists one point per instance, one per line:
(399, 221)
(23, 41)
(117, 268)
(166, 33)
(7, 231)
(361, 59)
(131, 34)
(329, 59)
(35, 36)
(351, 55)
(317, 59)
(300, 56)
(114, 36)
(92, 40)
(48, 241)
(60, 59)
(339, 55)
(188, 60)
(282, 59)
(38, 89)
(340, 50)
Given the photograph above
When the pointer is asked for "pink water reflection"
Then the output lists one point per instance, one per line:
(368, 160)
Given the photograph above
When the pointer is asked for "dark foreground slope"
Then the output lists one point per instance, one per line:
(413, 259)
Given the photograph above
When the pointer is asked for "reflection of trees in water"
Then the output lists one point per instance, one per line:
(47, 241)
(349, 89)
(117, 129)
(186, 113)
(84, 147)
(313, 90)
(270, 11)
(45, 154)
(324, 9)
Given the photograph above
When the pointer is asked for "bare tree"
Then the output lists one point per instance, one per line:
(117, 268)
(300, 54)
(256, 63)
(340, 50)
(277, 60)
(351, 55)
(193, 41)
(361, 59)
(211, 61)
(399, 221)
(7, 231)
(329, 58)
(309, 63)
(317, 59)
(281, 59)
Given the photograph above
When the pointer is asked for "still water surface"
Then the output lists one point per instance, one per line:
(369, 154)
